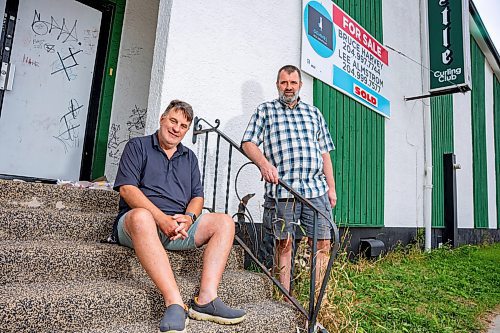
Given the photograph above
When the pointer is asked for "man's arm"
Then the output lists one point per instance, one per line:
(267, 170)
(134, 197)
(185, 222)
(330, 180)
(195, 206)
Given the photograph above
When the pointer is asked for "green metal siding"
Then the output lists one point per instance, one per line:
(479, 169)
(442, 142)
(496, 115)
(359, 135)
(107, 91)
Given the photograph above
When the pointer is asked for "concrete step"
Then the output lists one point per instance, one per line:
(37, 195)
(74, 305)
(77, 305)
(44, 261)
(47, 223)
(262, 317)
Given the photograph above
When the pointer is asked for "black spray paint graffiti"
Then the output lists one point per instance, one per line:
(49, 48)
(137, 121)
(42, 28)
(115, 143)
(68, 134)
(135, 127)
(131, 52)
(66, 64)
(90, 39)
(40, 44)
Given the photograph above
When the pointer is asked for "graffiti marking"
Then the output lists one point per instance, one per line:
(66, 64)
(135, 127)
(29, 61)
(42, 28)
(68, 135)
(49, 48)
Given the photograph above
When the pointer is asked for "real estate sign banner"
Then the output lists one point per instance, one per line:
(341, 53)
(449, 55)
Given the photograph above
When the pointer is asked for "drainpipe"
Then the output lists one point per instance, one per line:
(427, 176)
(427, 204)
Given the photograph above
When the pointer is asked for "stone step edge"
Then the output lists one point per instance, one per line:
(232, 280)
(41, 194)
(255, 321)
(179, 259)
(33, 207)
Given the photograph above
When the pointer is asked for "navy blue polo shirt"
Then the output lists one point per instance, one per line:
(170, 184)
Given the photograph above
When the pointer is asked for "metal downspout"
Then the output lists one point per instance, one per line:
(427, 204)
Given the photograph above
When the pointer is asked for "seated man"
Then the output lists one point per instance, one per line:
(160, 198)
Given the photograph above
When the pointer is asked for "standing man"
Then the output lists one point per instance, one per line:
(161, 199)
(296, 149)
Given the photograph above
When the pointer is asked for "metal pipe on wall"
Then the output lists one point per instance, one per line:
(427, 204)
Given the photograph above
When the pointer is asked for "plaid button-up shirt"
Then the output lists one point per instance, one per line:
(293, 141)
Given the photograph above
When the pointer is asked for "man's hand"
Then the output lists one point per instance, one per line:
(269, 173)
(267, 170)
(332, 197)
(169, 226)
(184, 222)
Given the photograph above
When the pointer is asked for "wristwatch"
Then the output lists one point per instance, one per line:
(192, 215)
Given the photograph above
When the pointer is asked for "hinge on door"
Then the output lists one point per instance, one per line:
(7, 72)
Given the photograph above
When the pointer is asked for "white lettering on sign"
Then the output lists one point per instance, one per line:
(358, 91)
(447, 54)
(448, 75)
(353, 29)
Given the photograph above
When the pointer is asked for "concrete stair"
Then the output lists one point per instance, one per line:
(57, 276)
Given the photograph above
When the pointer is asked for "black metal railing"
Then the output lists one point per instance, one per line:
(202, 127)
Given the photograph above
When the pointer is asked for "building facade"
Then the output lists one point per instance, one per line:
(223, 58)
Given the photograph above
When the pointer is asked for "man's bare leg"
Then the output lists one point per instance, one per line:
(141, 227)
(284, 253)
(322, 257)
(217, 231)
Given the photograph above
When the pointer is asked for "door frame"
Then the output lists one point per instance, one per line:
(107, 9)
(96, 162)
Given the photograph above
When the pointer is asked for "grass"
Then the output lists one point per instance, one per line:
(410, 291)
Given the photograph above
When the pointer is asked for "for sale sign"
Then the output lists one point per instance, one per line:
(341, 53)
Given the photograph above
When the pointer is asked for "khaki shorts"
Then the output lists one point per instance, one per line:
(285, 218)
(175, 245)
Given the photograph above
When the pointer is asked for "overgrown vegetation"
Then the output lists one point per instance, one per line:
(410, 291)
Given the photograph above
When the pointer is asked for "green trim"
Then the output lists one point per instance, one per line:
(482, 33)
(478, 109)
(496, 117)
(359, 136)
(107, 91)
(442, 142)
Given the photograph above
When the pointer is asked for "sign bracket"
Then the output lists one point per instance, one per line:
(460, 89)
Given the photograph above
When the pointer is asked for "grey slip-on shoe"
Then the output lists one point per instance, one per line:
(174, 319)
(217, 312)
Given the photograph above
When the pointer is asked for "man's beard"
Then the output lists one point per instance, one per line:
(288, 100)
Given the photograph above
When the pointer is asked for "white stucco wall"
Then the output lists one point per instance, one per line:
(462, 136)
(223, 61)
(133, 76)
(404, 140)
(490, 147)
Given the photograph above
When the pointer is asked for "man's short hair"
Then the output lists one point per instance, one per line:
(185, 108)
(289, 69)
